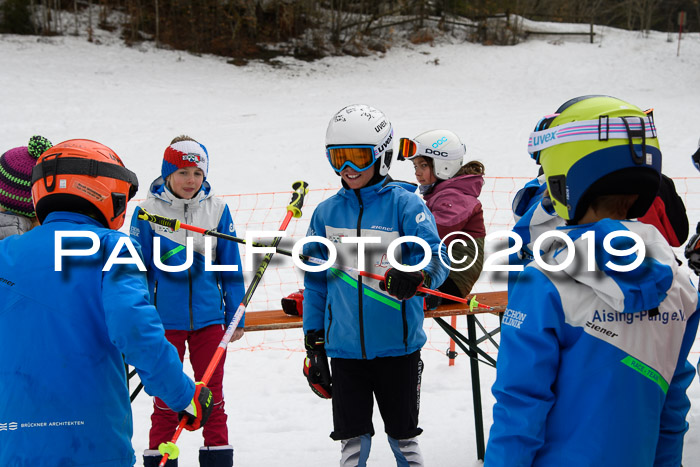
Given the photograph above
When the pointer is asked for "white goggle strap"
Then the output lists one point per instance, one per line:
(603, 129)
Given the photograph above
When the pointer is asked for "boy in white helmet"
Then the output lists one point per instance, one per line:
(373, 331)
(592, 367)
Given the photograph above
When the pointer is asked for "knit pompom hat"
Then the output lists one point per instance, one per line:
(183, 154)
(16, 175)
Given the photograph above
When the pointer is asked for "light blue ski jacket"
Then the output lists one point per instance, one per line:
(361, 321)
(194, 298)
(64, 400)
(589, 374)
(534, 215)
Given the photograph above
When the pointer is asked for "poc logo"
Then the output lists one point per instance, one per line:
(440, 142)
(420, 217)
(381, 126)
(192, 157)
(435, 153)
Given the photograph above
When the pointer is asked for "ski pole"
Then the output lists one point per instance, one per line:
(175, 224)
(170, 449)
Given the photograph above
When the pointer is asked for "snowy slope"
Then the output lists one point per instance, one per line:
(264, 128)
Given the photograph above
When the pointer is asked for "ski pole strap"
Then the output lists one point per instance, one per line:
(300, 188)
(172, 224)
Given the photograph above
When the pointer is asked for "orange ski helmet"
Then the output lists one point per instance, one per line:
(80, 175)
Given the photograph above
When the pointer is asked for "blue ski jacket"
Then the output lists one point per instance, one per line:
(361, 321)
(534, 215)
(592, 368)
(193, 298)
(64, 399)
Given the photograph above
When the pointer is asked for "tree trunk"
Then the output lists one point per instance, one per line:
(75, 14)
(157, 25)
(33, 13)
(90, 20)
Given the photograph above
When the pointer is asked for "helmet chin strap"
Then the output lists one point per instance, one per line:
(376, 178)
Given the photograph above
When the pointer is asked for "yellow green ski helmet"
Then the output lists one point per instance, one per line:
(597, 145)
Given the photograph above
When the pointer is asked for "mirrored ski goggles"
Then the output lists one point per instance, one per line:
(409, 149)
(602, 129)
(359, 157)
(696, 158)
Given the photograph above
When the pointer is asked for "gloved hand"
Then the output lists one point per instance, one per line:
(197, 413)
(293, 304)
(432, 302)
(400, 284)
(316, 369)
(692, 252)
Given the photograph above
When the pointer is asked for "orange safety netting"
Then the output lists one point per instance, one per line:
(264, 212)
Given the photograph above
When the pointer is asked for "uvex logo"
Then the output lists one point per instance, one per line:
(379, 127)
(541, 139)
(384, 145)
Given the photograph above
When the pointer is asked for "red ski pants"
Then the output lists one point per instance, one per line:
(202, 344)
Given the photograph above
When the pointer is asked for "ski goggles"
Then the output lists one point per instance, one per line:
(408, 149)
(602, 129)
(696, 158)
(360, 157)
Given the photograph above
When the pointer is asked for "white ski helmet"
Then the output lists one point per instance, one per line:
(358, 136)
(442, 146)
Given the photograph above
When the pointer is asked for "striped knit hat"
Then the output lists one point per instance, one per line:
(184, 154)
(16, 175)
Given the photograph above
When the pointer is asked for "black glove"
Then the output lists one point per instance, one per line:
(197, 413)
(293, 304)
(692, 252)
(400, 284)
(432, 302)
(316, 369)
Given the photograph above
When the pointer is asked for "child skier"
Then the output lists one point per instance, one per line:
(373, 339)
(451, 191)
(64, 327)
(16, 207)
(195, 305)
(592, 367)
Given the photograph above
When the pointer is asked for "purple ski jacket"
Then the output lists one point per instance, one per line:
(456, 207)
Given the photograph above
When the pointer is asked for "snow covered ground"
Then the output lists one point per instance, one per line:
(264, 128)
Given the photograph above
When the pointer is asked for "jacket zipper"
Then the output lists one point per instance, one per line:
(189, 277)
(359, 281)
(155, 294)
(221, 293)
(330, 322)
(405, 325)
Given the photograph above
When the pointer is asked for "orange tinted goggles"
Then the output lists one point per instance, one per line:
(407, 148)
(359, 157)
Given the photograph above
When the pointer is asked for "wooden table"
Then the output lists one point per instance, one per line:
(271, 320)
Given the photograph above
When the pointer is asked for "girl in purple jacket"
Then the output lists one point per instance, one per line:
(451, 191)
